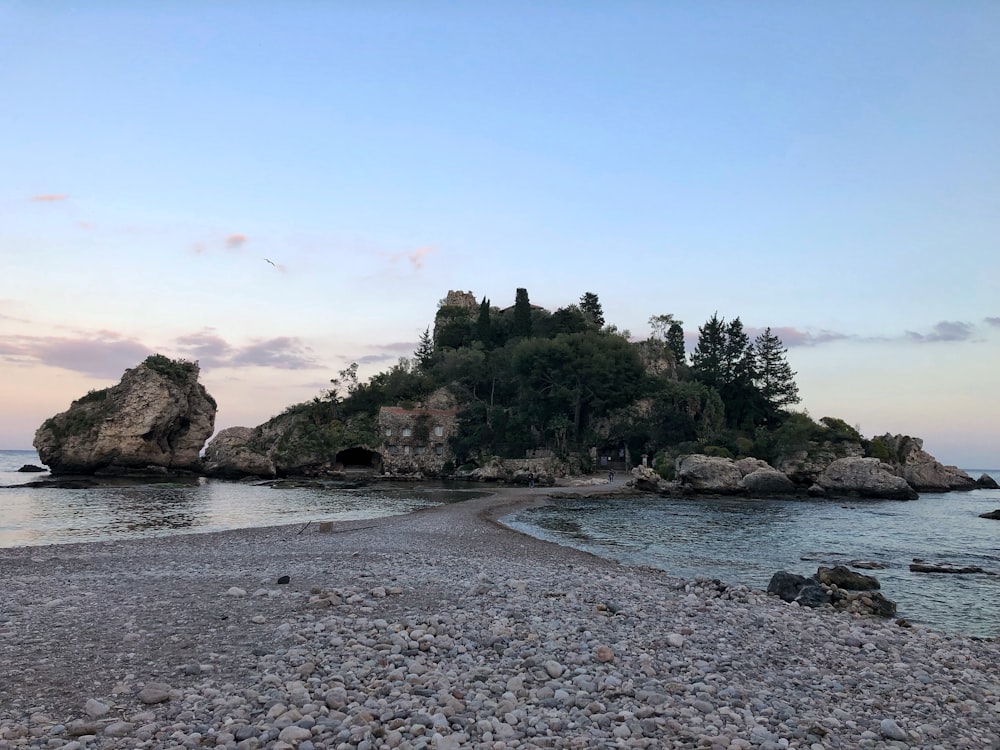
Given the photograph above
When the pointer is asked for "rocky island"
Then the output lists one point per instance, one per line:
(567, 395)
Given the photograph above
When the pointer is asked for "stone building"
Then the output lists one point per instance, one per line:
(416, 440)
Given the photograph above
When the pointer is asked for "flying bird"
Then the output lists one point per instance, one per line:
(271, 262)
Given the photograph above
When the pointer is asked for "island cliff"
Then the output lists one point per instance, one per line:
(156, 420)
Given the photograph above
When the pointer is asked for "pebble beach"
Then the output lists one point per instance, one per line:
(444, 629)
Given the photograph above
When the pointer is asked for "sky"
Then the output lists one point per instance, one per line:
(280, 189)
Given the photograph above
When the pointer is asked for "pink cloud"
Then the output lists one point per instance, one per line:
(416, 257)
(49, 198)
(236, 240)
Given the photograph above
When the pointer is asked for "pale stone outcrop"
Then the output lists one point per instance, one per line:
(864, 477)
(709, 474)
(920, 469)
(156, 419)
(231, 455)
(804, 467)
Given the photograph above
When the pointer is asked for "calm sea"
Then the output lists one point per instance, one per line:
(34, 516)
(746, 541)
(739, 541)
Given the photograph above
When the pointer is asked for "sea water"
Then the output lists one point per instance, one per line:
(735, 540)
(743, 541)
(133, 510)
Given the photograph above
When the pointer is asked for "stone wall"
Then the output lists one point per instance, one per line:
(415, 441)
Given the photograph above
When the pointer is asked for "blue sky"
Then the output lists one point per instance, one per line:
(826, 169)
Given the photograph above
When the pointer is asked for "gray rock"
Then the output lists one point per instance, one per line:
(156, 419)
(154, 692)
(767, 481)
(233, 455)
(891, 730)
(865, 477)
(845, 578)
(986, 482)
(709, 474)
(923, 472)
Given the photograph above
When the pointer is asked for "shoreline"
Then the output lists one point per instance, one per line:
(445, 628)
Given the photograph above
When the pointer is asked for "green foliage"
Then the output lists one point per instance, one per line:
(453, 327)
(773, 375)
(839, 430)
(878, 448)
(665, 464)
(675, 342)
(718, 451)
(94, 396)
(178, 371)
(590, 306)
(522, 314)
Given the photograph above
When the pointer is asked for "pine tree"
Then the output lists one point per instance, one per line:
(591, 307)
(675, 342)
(425, 350)
(774, 376)
(708, 360)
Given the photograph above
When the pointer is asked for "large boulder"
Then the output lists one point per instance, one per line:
(156, 419)
(920, 469)
(709, 474)
(864, 477)
(231, 455)
(767, 481)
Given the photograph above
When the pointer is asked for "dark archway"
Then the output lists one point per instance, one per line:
(359, 459)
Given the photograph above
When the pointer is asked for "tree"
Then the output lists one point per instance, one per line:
(484, 328)
(708, 360)
(522, 314)
(575, 377)
(425, 350)
(675, 342)
(774, 377)
(590, 305)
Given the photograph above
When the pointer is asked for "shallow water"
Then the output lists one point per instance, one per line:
(746, 541)
(35, 516)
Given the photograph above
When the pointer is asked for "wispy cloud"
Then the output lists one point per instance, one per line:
(236, 240)
(284, 353)
(103, 355)
(793, 337)
(106, 354)
(946, 330)
(415, 257)
(995, 322)
(49, 198)
(388, 353)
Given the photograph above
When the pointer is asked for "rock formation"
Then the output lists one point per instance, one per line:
(986, 482)
(156, 419)
(923, 472)
(864, 477)
(231, 455)
(843, 588)
(804, 467)
(709, 474)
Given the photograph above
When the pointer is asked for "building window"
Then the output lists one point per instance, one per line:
(438, 431)
(420, 450)
(407, 432)
(406, 450)
(393, 449)
(388, 431)
(438, 450)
